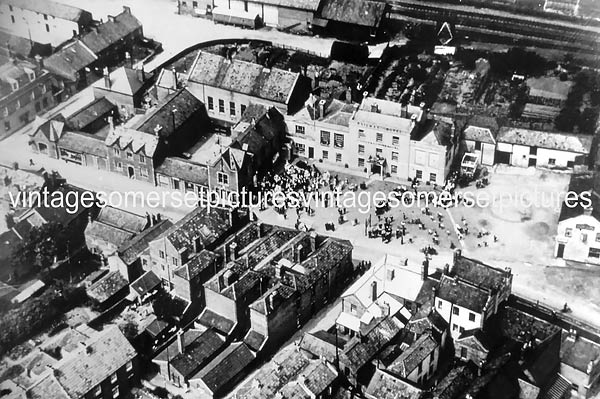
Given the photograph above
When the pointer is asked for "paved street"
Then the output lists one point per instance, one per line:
(177, 32)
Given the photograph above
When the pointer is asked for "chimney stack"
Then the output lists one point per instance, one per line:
(457, 256)
(313, 241)
(175, 78)
(127, 10)
(106, 78)
(321, 108)
(587, 211)
(299, 253)
(180, 342)
(425, 269)
(197, 245)
(374, 291)
(232, 251)
(39, 61)
(141, 75)
(349, 95)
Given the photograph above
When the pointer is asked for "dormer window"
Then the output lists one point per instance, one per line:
(14, 85)
(18, 104)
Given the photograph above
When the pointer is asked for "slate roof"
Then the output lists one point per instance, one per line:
(317, 377)
(145, 283)
(173, 348)
(111, 31)
(49, 7)
(455, 382)
(579, 183)
(476, 337)
(70, 59)
(107, 286)
(385, 386)
(75, 375)
(243, 77)
(414, 355)
(107, 233)
(463, 294)
(183, 169)
(478, 273)
(521, 326)
(482, 128)
(132, 249)
(335, 111)
(90, 113)
(123, 80)
(138, 141)
(211, 319)
(310, 5)
(185, 104)
(197, 264)
(207, 224)
(122, 219)
(319, 347)
(197, 353)
(52, 129)
(357, 12)
(83, 143)
(558, 389)
(577, 143)
(219, 373)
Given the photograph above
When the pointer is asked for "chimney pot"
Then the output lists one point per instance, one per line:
(180, 342)
(374, 291)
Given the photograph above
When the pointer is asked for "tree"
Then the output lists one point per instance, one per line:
(587, 121)
(40, 247)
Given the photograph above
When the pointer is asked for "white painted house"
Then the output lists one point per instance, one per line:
(524, 148)
(479, 138)
(578, 234)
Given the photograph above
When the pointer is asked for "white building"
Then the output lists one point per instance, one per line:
(578, 234)
(376, 137)
(524, 148)
(387, 289)
(43, 21)
(479, 137)
(469, 293)
(419, 361)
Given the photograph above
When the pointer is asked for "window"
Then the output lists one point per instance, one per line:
(18, 104)
(129, 366)
(439, 304)
(478, 146)
(352, 308)
(46, 17)
(325, 154)
(455, 310)
(174, 260)
(395, 140)
(47, 28)
(584, 238)
(300, 129)
(142, 158)
(597, 237)
(532, 150)
(338, 157)
(432, 177)
(44, 102)
(361, 149)
(116, 152)
(115, 392)
(431, 356)
(10, 8)
(379, 137)
(12, 18)
(420, 368)
(551, 161)
(419, 174)
(211, 104)
(324, 137)
(118, 164)
(7, 125)
(394, 169)
(223, 178)
(161, 254)
(246, 6)
(394, 156)
(361, 162)
(361, 133)
(378, 151)
(338, 140)
(195, 4)
(129, 155)
(594, 253)
(242, 108)
(300, 148)
(471, 316)
(113, 378)
(144, 172)
(221, 106)
(97, 391)
(38, 107)
(461, 330)
(231, 108)
(568, 232)
(454, 327)
(463, 353)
